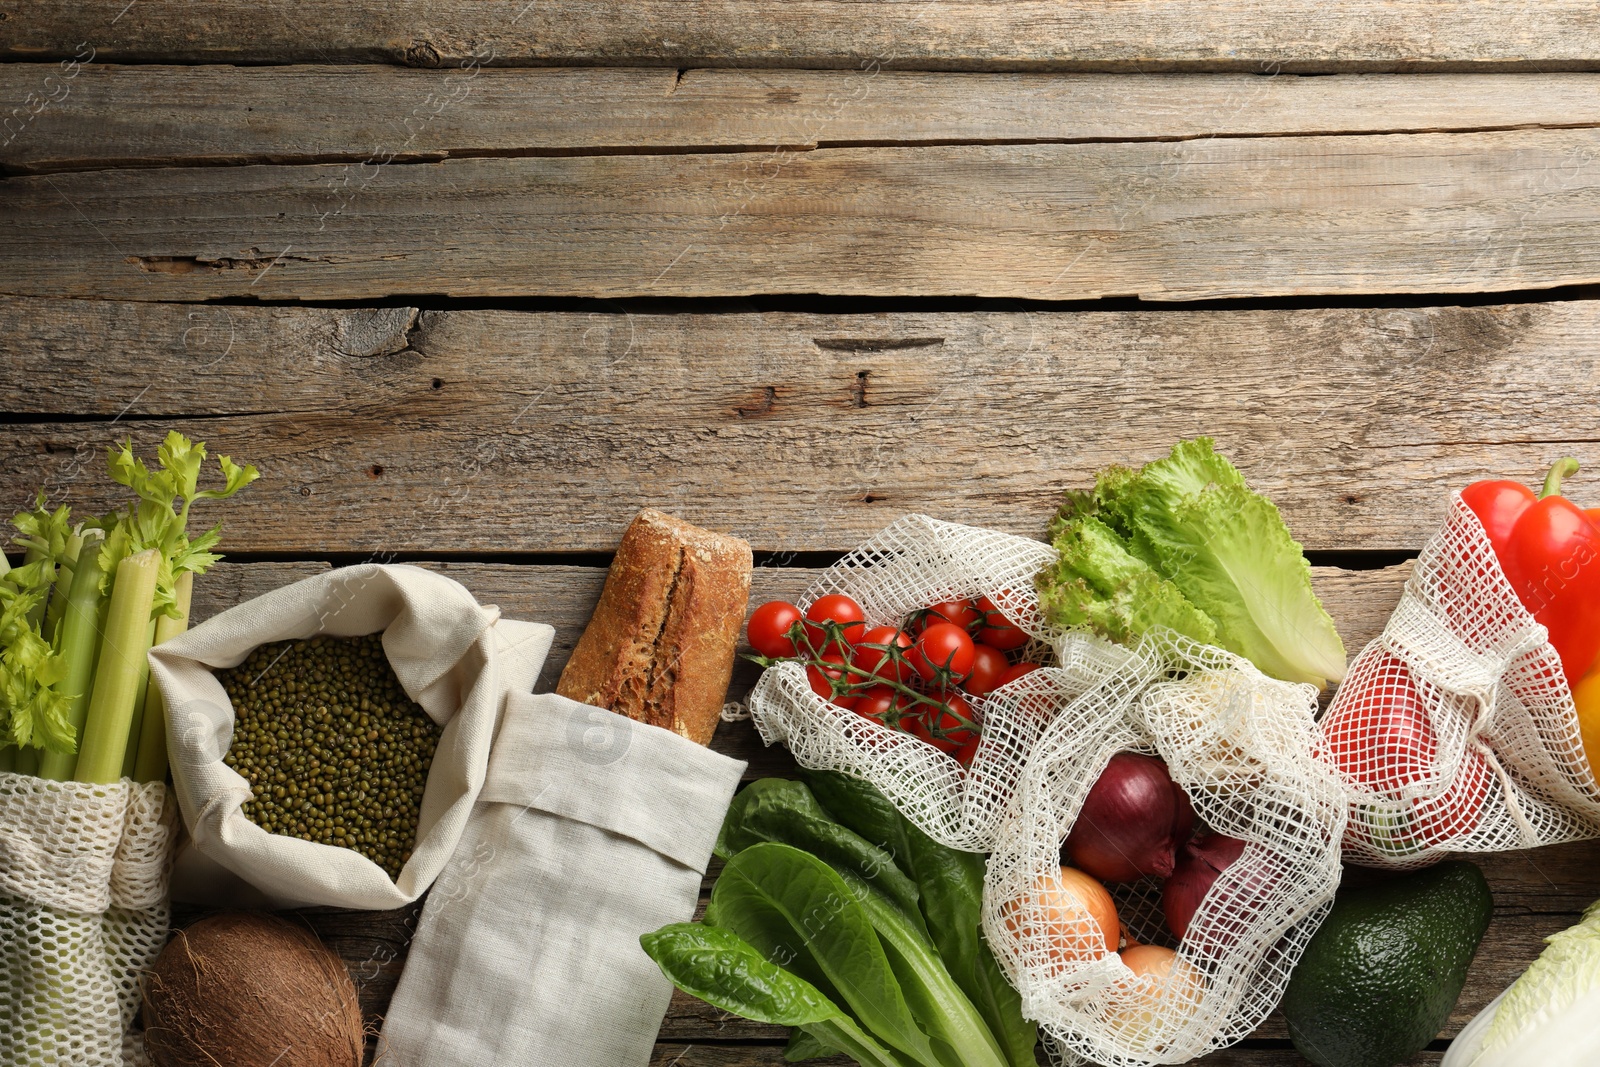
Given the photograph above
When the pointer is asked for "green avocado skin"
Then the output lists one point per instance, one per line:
(1381, 974)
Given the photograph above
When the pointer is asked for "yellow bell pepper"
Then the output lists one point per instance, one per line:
(1587, 697)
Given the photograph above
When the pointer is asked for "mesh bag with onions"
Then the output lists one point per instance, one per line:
(1455, 729)
(915, 562)
(83, 913)
(1246, 750)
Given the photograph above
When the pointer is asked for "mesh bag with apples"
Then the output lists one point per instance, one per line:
(1456, 729)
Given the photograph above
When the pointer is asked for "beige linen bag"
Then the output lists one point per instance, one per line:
(456, 658)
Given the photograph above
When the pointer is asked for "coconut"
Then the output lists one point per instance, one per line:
(251, 990)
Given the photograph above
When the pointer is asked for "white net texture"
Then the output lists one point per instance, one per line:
(83, 914)
(1245, 748)
(911, 564)
(1455, 729)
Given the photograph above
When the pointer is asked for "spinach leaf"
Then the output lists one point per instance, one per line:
(961, 1038)
(798, 912)
(774, 809)
(723, 970)
(950, 892)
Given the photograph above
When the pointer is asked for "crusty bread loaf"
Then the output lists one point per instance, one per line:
(660, 646)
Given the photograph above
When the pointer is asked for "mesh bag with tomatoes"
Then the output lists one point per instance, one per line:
(1174, 847)
(1456, 729)
(917, 664)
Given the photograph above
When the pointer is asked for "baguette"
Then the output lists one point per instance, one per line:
(660, 646)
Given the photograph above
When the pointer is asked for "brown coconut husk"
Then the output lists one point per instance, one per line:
(251, 990)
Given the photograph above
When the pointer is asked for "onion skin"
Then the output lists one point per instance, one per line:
(1058, 907)
(1132, 823)
(1202, 861)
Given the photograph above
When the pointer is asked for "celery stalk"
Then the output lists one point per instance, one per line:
(151, 766)
(78, 641)
(141, 688)
(63, 588)
(116, 679)
(36, 615)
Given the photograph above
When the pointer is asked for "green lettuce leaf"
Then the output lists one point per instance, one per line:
(1190, 518)
(1567, 970)
(1098, 582)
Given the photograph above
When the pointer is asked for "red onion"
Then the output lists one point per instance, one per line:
(1132, 823)
(1203, 859)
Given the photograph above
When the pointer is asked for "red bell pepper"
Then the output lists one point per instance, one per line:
(1549, 549)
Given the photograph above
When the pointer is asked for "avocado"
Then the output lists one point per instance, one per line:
(1380, 976)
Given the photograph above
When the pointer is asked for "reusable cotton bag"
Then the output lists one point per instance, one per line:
(83, 913)
(591, 830)
(1455, 729)
(454, 657)
(910, 564)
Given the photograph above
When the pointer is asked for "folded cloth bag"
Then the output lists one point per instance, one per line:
(591, 830)
(455, 657)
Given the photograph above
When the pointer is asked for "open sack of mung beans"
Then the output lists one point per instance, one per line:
(945, 749)
(1231, 861)
(1457, 729)
(305, 746)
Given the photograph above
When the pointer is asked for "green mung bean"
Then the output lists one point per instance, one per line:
(332, 747)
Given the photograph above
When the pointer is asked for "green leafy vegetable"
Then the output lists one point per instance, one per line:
(883, 925)
(1200, 531)
(950, 893)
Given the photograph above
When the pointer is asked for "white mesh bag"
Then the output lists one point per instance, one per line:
(83, 913)
(1245, 748)
(1455, 729)
(910, 564)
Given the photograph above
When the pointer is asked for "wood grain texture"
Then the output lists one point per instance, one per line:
(492, 431)
(1186, 220)
(954, 34)
(109, 116)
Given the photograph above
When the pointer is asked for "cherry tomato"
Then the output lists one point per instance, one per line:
(877, 660)
(768, 629)
(988, 667)
(1386, 743)
(960, 613)
(1014, 672)
(821, 678)
(942, 646)
(998, 631)
(881, 704)
(949, 729)
(835, 607)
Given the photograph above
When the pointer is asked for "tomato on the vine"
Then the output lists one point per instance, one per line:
(881, 704)
(988, 667)
(998, 631)
(950, 729)
(821, 678)
(768, 629)
(943, 648)
(1014, 672)
(962, 613)
(877, 660)
(836, 608)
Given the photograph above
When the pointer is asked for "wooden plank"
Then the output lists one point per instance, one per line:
(493, 431)
(990, 34)
(1187, 220)
(164, 116)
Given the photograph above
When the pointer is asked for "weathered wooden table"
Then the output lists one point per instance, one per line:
(473, 280)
